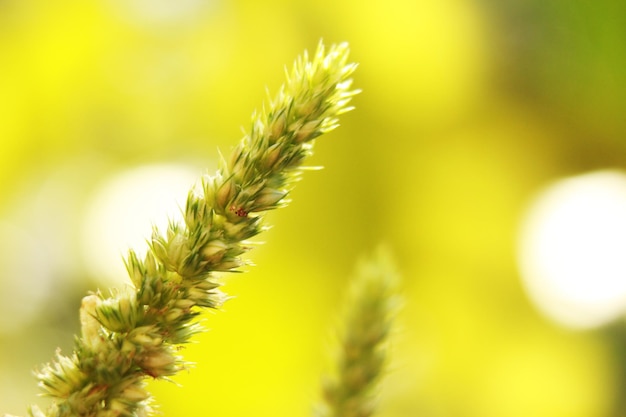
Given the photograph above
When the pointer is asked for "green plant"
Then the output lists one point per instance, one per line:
(369, 310)
(133, 334)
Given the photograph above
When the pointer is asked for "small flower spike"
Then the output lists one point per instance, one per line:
(371, 306)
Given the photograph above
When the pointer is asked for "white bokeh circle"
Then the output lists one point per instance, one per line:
(123, 211)
(572, 249)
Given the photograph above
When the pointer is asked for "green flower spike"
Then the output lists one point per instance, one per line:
(133, 335)
(371, 305)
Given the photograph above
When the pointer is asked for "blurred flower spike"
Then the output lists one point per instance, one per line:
(371, 306)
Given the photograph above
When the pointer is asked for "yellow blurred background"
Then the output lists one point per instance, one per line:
(468, 110)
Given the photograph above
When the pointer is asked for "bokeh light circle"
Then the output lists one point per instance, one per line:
(158, 12)
(26, 277)
(572, 250)
(123, 211)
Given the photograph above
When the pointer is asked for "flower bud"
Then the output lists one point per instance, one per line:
(117, 407)
(176, 252)
(214, 250)
(117, 314)
(135, 393)
(307, 131)
(235, 230)
(145, 336)
(271, 156)
(267, 199)
(228, 264)
(133, 266)
(277, 128)
(224, 194)
(158, 363)
(184, 304)
(173, 314)
(196, 295)
(61, 377)
(207, 285)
